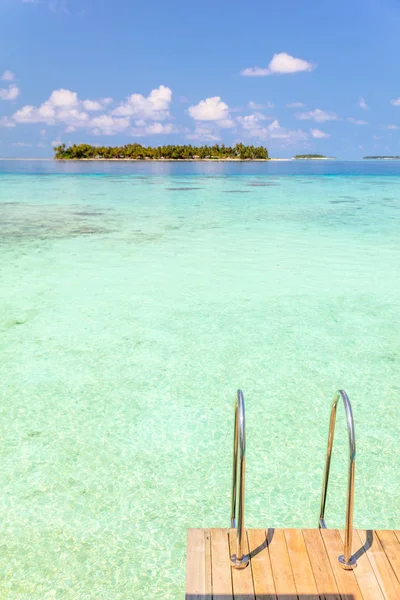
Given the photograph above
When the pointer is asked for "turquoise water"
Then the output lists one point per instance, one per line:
(134, 301)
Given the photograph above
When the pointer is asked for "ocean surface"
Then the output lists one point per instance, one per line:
(135, 299)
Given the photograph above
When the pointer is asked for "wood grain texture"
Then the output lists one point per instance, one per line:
(346, 580)
(220, 565)
(364, 573)
(198, 573)
(264, 588)
(381, 566)
(285, 586)
(391, 546)
(292, 564)
(242, 579)
(301, 566)
(321, 566)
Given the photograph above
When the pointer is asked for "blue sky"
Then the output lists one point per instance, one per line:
(294, 76)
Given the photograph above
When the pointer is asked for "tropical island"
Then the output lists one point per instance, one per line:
(313, 157)
(381, 157)
(139, 152)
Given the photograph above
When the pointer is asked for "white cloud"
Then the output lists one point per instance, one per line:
(280, 133)
(210, 109)
(362, 104)
(255, 106)
(63, 98)
(395, 101)
(96, 105)
(155, 107)
(43, 132)
(281, 63)
(254, 127)
(204, 134)
(29, 114)
(152, 129)
(274, 125)
(91, 105)
(9, 93)
(254, 72)
(295, 105)
(8, 76)
(63, 107)
(284, 63)
(23, 144)
(317, 133)
(6, 122)
(391, 127)
(317, 115)
(357, 121)
(156, 128)
(108, 125)
(226, 123)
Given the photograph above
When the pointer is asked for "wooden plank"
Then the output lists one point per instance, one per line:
(220, 565)
(397, 533)
(381, 566)
(242, 579)
(301, 566)
(292, 564)
(207, 538)
(363, 572)
(346, 580)
(264, 588)
(198, 573)
(323, 574)
(285, 586)
(391, 546)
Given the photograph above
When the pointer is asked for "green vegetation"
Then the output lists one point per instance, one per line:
(310, 156)
(382, 157)
(139, 152)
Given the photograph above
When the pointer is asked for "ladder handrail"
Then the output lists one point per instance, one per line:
(239, 560)
(347, 561)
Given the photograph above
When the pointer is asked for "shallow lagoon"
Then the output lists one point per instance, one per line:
(135, 299)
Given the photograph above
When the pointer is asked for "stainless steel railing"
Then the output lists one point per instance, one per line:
(239, 560)
(346, 560)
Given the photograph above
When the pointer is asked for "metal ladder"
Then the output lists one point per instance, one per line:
(240, 560)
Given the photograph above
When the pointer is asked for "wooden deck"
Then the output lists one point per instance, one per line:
(293, 564)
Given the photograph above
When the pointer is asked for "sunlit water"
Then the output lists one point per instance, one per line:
(135, 299)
